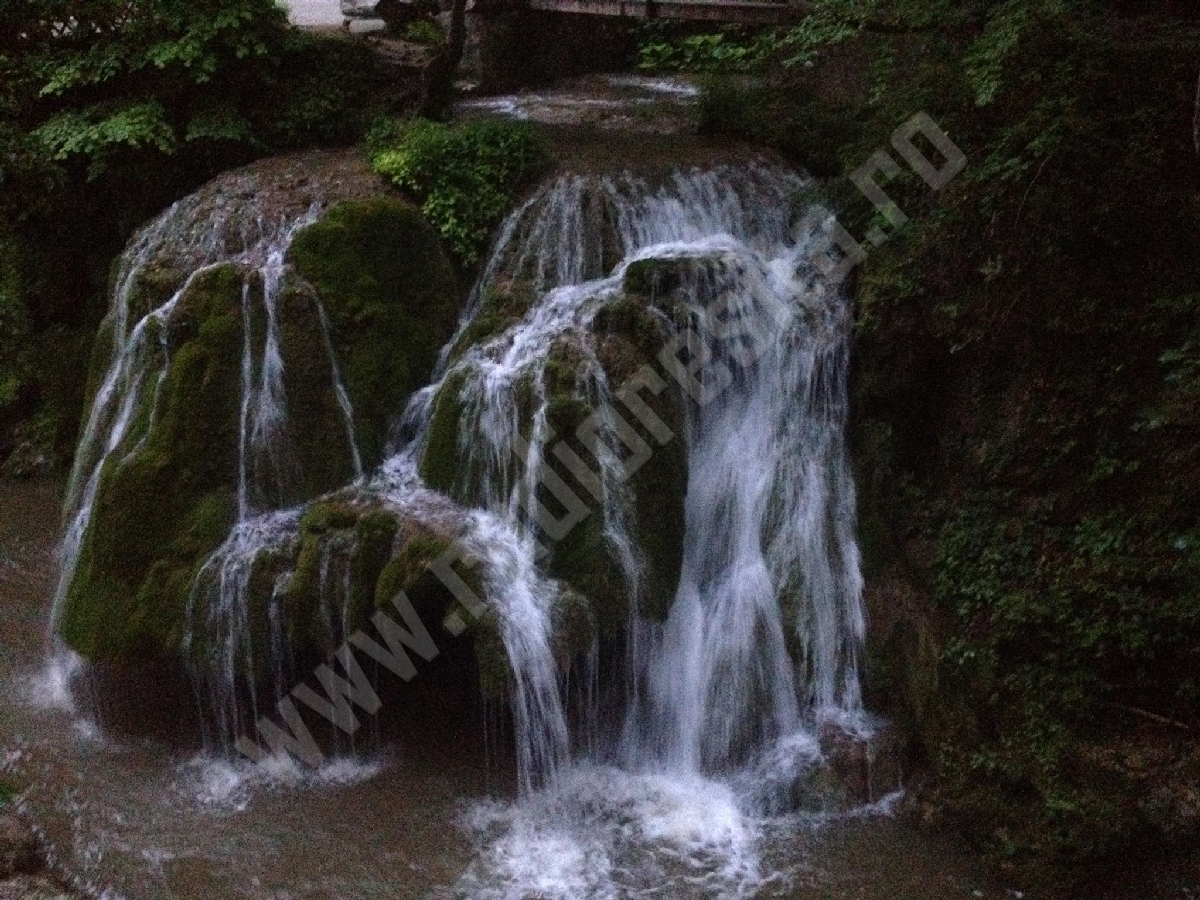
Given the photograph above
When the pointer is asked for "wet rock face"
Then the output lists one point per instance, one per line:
(624, 336)
(392, 302)
(322, 579)
(863, 768)
(262, 335)
(170, 497)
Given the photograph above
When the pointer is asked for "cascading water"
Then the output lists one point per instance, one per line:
(761, 643)
(770, 502)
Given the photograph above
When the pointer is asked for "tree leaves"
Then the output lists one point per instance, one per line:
(95, 132)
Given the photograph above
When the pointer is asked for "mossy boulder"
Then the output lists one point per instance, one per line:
(168, 497)
(369, 296)
(633, 331)
(392, 301)
(320, 436)
(328, 590)
(440, 463)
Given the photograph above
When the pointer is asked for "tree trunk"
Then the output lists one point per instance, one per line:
(437, 79)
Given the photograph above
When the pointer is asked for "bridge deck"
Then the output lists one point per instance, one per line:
(749, 12)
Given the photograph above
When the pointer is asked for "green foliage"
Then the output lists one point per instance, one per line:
(14, 325)
(424, 31)
(1027, 398)
(1057, 623)
(465, 176)
(721, 51)
(738, 50)
(791, 122)
(156, 76)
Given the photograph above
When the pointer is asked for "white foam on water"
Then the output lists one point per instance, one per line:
(672, 86)
(602, 832)
(231, 784)
(50, 688)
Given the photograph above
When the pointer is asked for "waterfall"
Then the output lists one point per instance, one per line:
(672, 697)
(760, 643)
(770, 518)
(722, 716)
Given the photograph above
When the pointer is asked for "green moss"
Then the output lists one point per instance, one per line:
(166, 500)
(633, 337)
(333, 528)
(324, 459)
(153, 285)
(101, 358)
(419, 548)
(440, 464)
(653, 277)
(392, 302)
(491, 657)
(329, 515)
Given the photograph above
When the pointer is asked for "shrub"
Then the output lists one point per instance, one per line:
(423, 31)
(465, 176)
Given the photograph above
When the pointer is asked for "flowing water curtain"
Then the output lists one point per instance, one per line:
(772, 565)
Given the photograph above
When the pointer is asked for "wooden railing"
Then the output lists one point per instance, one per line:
(752, 12)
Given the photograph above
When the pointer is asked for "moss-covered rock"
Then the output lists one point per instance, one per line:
(503, 305)
(627, 334)
(376, 274)
(330, 576)
(319, 435)
(440, 466)
(392, 302)
(167, 499)
(633, 332)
